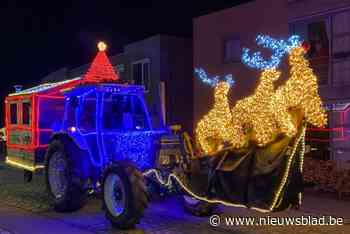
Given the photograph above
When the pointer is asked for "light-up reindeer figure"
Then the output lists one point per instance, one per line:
(255, 120)
(215, 128)
(299, 93)
(297, 99)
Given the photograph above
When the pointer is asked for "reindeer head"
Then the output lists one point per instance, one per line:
(213, 81)
(279, 49)
(221, 84)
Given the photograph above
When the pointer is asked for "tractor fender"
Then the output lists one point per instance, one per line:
(79, 157)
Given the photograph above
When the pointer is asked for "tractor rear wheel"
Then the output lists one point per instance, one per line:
(124, 195)
(65, 191)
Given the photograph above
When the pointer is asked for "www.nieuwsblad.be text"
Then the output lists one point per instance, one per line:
(216, 220)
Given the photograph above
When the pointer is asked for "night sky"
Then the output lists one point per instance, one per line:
(39, 37)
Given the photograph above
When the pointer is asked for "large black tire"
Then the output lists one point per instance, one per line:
(197, 207)
(124, 195)
(66, 192)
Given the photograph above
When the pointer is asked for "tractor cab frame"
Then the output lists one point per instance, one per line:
(111, 123)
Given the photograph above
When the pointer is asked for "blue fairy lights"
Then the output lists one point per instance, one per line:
(213, 81)
(279, 49)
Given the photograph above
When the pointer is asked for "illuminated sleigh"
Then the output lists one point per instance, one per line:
(252, 154)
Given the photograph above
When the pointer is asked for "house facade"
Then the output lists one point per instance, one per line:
(219, 38)
(163, 65)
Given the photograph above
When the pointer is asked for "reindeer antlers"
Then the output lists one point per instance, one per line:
(202, 75)
(278, 47)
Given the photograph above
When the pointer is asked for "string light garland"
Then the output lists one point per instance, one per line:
(301, 158)
(44, 87)
(23, 165)
(168, 183)
(279, 190)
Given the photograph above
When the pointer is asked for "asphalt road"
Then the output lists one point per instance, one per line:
(24, 210)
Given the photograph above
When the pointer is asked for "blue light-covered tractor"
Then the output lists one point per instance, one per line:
(107, 138)
(90, 133)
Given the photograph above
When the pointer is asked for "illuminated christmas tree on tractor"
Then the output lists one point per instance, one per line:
(101, 69)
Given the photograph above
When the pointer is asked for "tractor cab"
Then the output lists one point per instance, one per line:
(111, 122)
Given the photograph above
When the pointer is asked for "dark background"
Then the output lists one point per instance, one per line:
(39, 37)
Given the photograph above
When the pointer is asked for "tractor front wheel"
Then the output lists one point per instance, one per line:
(124, 196)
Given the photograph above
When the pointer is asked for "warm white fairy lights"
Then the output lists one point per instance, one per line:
(299, 92)
(259, 118)
(43, 87)
(215, 128)
(301, 158)
(168, 183)
(255, 120)
(22, 165)
(277, 193)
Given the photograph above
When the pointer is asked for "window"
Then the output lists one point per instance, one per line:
(330, 45)
(341, 34)
(120, 68)
(51, 113)
(13, 113)
(26, 112)
(116, 112)
(232, 50)
(341, 72)
(141, 73)
(341, 48)
(318, 37)
(140, 117)
(87, 114)
(70, 113)
(123, 112)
